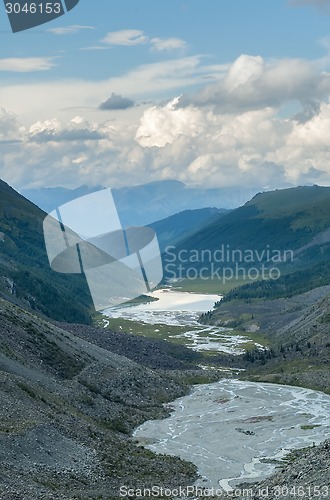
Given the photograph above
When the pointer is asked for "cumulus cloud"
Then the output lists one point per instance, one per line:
(73, 29)
(228, 134)
(55, 152)
(162, 125)
(10, 129)
(26, 64)
(253, 83)
(256, 148)
(117, 102)
(78, 129)
(125, 37)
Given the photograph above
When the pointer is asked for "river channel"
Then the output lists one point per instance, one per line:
(234, 431)
(175, 308)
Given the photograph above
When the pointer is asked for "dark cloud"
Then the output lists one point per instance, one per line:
(313, 175)
(10, 142)
(66, 135)
(116, 102)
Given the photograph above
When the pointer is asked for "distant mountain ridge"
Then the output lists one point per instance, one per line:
(290, 226)
(147, 203)
(50, 198)
(283, 219)
(176, 227)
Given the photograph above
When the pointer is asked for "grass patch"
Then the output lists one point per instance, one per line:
(142, 299)
(254, 337)
(116, 424)
(27, 389)
(157, 331)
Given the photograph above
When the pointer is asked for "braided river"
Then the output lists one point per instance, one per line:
(234, 431)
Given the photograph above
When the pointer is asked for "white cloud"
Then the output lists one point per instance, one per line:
(251, 148)
(26, 64)
(167, 44)
(132, 37)
(125, 37)
(228, 134)
(69, 30)
(253, 83)
(78, 129)
(10, 129)
(162, 125)
(95, 47)
(197, 146)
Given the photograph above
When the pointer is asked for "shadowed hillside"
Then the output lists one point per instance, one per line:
(25, 274)
(68, 407)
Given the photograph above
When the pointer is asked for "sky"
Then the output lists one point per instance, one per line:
(209, 92)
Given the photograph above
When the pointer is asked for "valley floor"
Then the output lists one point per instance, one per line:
(70, 400)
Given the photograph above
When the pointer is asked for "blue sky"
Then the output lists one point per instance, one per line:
(252, 76)
(215, 28)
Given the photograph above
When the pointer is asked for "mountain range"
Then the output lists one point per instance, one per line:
(25, 274)
(286, 219)
(147, 203)
(290, 225)
(295, 220)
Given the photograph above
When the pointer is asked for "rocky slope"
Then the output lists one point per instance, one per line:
(147, 352)
(306, 474)
(67, 409)
(71, 394)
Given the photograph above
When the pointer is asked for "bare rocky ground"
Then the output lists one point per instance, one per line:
(306, 474)
(67, 410)
(150, 353)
